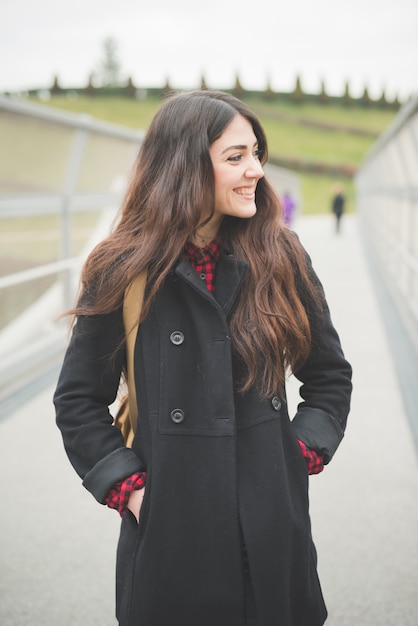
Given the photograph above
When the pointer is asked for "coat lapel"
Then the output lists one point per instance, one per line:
(229, 276)
(185, 271)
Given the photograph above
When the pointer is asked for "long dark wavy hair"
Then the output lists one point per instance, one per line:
(171, 187)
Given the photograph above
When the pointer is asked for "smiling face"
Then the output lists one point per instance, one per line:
(237, 170)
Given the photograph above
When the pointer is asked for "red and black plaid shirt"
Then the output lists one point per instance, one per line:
(118, 497)
(205, 262)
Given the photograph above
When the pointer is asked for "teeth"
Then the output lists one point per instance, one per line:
(245, 192)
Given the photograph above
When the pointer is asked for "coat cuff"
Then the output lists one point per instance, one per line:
(110, 470)
(318, 430)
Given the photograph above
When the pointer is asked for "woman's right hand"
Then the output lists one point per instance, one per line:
(135, 502)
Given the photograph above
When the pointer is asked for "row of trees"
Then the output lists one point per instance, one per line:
(299, 95)
(107, 80)
(129, 89)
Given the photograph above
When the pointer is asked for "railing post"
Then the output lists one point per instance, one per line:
(74, 166)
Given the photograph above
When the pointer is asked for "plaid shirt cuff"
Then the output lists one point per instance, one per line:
(118, 497)
(314, 461)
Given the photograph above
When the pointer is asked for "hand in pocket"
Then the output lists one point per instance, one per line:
(135, 502)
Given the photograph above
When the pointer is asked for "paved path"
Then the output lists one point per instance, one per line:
(365, 504)
(57, 546)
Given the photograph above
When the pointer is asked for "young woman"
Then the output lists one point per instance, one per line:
(213, 493)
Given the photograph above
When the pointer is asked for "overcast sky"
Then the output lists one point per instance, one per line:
(367, 42)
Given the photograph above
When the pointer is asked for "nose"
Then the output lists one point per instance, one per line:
(255, 169)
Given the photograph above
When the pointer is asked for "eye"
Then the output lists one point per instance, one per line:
(258, 154)
(236, 158)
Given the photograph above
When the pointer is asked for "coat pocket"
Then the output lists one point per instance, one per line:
(130, 538)
(125, 560)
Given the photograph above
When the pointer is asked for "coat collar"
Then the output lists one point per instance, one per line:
(229, 276)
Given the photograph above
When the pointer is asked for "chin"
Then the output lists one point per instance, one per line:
(249, 212)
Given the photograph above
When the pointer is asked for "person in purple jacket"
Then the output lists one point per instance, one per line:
(289, 209)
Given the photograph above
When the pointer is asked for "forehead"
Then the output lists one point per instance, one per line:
(238, 132)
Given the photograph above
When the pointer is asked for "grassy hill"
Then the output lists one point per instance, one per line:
(326, 134)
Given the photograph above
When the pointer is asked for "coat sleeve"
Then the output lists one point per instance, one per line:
(326, 387)
(87, 386)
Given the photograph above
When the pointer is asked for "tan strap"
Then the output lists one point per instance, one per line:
(132, 307)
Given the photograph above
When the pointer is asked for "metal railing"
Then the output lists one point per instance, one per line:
(387, 200)
(62, 176)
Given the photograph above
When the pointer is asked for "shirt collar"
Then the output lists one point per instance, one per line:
(210, 253)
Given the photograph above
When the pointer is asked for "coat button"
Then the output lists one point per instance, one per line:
(177, 416)
(276, 403)
(177, 338)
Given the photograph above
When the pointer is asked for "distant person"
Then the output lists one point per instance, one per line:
(213, 492)
(338, 204)
(289, 209)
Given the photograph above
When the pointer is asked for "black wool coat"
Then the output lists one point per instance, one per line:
(222, 468)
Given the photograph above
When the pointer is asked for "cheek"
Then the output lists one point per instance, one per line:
(226, 183)
(220, 186)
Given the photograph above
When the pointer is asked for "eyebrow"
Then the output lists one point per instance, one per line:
(238, 147)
